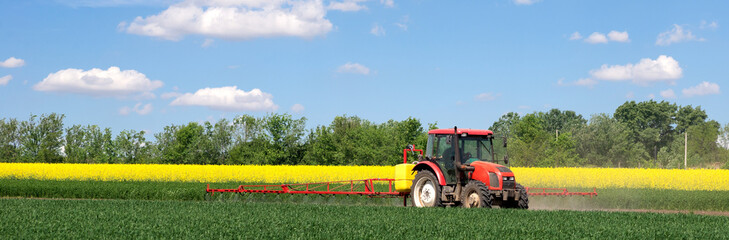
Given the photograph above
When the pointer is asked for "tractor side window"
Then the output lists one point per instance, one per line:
(431, 144)
(441, 146)
(484, 147)
(499, 149)
(437, 145)
(470, 150)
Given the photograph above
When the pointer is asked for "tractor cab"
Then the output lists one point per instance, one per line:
(464, 167)
(474, 145)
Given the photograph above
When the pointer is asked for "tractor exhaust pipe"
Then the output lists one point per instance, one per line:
(461, 169)
(457, 161)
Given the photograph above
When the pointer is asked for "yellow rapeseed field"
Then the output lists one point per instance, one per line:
(191, 173)
(695, 179)
(679, 179)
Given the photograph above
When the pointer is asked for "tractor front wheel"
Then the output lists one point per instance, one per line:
(523, 202)
(426, 190)
(476, 195)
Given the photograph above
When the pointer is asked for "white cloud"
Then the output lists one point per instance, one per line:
(706, 25)
(584, 82)
(125, 110)
(12, 62)
(236, 20)
(138, 108)
(355, 68)
(486, 96)
(5, 80)
(616, 36)
(228, 98)
(525, 2)
(596, 37)
(630, 95)
(576, 36)
(347, 5)
(169, 95)
(668, 93)
(704, 88)
(676, 35)
(388, 3)
(651, 96)
(115, 3)
(97, 82)
(297, 108)
(663, 69)
(403, 24)
(143, 110)
(377, 30)
(207, 43)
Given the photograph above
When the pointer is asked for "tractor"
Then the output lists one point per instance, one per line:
(461, 168)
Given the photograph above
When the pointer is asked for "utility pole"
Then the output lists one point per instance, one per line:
(685, 149)
(556, 134)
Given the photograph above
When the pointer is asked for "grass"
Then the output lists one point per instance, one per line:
(608, 198)
(137, 219)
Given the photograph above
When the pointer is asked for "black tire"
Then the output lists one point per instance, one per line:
(476, 195)
(426, 190)
(523, 202)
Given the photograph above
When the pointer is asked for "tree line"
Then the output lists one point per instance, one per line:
(646, 134)
(638, 134)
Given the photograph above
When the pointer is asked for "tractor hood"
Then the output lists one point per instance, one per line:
(495, 175)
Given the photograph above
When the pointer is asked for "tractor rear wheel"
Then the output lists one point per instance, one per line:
(476, 195)
(426, 190)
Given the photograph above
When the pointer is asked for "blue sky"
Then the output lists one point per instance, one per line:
(143, 65)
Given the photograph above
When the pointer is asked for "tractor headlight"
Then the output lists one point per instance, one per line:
(511, 178)
(506, 178)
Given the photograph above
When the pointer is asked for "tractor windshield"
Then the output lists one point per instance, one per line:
(473, 148)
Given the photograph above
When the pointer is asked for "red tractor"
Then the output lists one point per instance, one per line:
(460, 168)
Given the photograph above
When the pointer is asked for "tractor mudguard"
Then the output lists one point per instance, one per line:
(428, 165)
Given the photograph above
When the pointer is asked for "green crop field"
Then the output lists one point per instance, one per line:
(134, 219)
(611, 198)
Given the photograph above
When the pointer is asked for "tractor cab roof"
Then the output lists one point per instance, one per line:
(468, 131)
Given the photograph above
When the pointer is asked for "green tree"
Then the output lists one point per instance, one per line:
(688, 116)
(562, 152)
(564, 121)
(273, 139)
(42, 140)
(703, 149)
(99, 145)
(606, 142)
(285, 135)
(220, 138)
(9, 140)
(165, 151)
(131, 147)
(649, 123)
(186, 148)
(723, 138)
(76, 144)
(505, 125)
(531, 142)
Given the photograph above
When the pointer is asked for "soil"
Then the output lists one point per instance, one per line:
(710, 213)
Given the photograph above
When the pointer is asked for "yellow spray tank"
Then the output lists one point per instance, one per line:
(404, 177)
